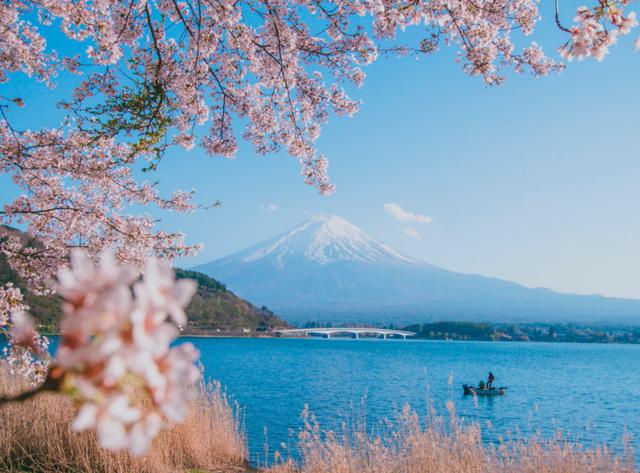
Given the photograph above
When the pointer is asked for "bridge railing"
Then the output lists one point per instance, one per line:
(356, 331)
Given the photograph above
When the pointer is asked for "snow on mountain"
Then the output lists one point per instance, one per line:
(326, 239)
(329, 269)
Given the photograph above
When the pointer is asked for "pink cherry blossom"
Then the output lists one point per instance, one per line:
(165, 292)
(271, 73)
(23, 331)
(109, 418)
(26, 352)
(162, 73)
(115, 354)
(28, 363)
(10, 301)
(143, 431)
(596, 30)
(116, 348)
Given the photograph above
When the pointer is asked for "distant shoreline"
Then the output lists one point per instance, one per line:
(575, 342)
(461, 331)
(464, 331)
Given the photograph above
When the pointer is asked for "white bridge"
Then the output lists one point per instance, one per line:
(356, 331)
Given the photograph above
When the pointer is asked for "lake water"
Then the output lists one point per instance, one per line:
(590, 391)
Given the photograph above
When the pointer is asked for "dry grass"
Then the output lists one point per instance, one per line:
(443, 446)
(35, 436)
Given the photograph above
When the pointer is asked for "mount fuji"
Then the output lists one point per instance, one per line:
(327, 269)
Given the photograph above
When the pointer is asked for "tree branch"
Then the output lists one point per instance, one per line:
(155, 41)
(563, 28)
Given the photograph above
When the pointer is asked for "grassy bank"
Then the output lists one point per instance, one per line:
(35, 437)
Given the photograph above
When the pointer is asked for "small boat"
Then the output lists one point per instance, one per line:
(476, 391)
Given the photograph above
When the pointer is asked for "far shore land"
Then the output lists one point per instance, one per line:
(446, 331)
(459, 331)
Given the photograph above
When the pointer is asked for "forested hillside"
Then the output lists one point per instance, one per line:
(212, 307)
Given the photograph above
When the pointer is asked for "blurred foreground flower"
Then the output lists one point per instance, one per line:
(115, 356)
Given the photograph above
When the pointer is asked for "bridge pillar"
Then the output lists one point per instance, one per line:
(356, 335)
(328, 335)
(404, 337)
(384, 336)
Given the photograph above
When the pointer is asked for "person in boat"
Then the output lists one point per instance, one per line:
(490, 379)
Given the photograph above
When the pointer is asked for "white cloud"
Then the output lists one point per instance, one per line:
(412, 233)
(402, 215)
(269, 207)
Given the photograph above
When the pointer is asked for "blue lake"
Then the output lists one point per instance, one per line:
(589, 391)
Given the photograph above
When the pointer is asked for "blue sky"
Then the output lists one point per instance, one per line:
(535, 181)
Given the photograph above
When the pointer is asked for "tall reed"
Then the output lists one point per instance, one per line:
(35, 436)
(441, 446)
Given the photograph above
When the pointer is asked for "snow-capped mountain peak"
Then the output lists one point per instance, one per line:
(325, 239)
(329, 269)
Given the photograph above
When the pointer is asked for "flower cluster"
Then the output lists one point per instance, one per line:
(25, 345)
(26, 353)
(596, 30)
(153, 72)
(75, 187)
(115, 356)
(22, 47)
(11, 300)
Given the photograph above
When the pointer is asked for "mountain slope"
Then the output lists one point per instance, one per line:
(329, 269)
(212, 307)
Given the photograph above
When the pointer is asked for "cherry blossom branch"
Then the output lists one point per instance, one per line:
(115, 356)
(557, 18)
(153, 72)
(155, 41)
